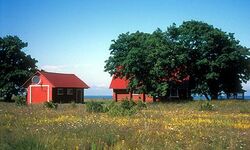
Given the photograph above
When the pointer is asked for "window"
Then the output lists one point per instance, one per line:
(36, 80)
(174, 92)
(59, 91)
(69, 91)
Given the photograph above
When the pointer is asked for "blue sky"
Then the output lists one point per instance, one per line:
(73, 36)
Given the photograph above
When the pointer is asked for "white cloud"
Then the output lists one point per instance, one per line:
(54, 68)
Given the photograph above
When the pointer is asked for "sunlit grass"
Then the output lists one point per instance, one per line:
(160, 126)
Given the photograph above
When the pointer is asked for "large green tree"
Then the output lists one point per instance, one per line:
(130, 59)
(214, 60)
(15, 66)
(147, 60)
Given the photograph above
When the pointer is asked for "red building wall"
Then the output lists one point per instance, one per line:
(120, 95)
(39, 93)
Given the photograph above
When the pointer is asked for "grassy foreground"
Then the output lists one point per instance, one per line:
(160, 126)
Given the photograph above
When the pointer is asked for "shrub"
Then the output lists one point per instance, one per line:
(141, 105)
(73, 104)
(126, 104)
(109, 106)
(207, 106)
(125, 108)
(117, 110)
(51, 105)
(94, 107)
(28, 143)
(20, 100)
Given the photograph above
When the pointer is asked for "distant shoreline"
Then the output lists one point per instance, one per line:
(110, 97)
(98, 97)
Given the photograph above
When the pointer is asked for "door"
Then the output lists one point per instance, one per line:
(39, 94)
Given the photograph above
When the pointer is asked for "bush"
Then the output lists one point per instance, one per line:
(94, 107)
(125, 108)
(117, 110)
(109, 106)
(51, 105)
(141, 105)
(20, 100)
(207, 106)
(73, 104)
(126, 104)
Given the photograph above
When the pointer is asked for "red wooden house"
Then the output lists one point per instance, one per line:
(178, 90)
(57, 87)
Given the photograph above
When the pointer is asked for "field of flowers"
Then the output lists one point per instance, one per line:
(170, 125)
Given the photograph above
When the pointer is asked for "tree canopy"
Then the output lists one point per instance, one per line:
(213, 59)
(15, 66)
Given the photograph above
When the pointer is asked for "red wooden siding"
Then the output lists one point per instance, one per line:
(42, 96)
(122, 94)
(119, 86)
(35, 92)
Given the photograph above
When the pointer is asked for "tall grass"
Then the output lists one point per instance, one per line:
(160, 126)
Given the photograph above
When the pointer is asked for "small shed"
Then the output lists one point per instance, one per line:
(57, 87)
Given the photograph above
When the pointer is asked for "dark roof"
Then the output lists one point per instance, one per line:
(62, 80)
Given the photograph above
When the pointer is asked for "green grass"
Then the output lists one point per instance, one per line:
(170, 125)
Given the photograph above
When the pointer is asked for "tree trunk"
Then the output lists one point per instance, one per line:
(206, 95)
(214, 96)
(213, 89)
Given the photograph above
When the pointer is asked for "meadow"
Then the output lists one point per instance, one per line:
(172, 125)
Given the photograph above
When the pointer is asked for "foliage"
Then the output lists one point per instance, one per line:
(109, 105)
(15, 66)
(127, 104)
(135, 56)
(20, 100)
(160, 126)
(93, 106)
(117, 110)
(206, 106)
(125, 108)
(213, 59)
(73, 104)
(141, 105)
(50, 105)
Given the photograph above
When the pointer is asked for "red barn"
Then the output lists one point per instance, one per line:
(57, 87)
(179, 90)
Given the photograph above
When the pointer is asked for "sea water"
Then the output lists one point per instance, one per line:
(110, 97)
